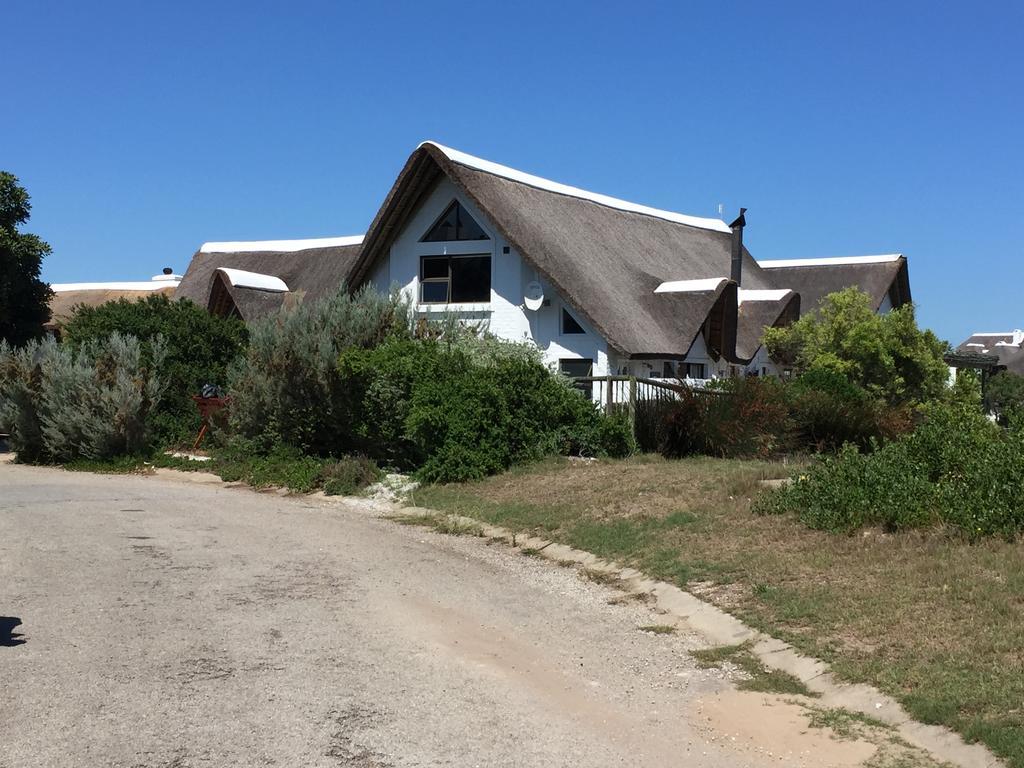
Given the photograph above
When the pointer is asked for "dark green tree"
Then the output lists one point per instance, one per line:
(24, 298)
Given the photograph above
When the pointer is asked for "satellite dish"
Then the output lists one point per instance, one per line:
(534, 295)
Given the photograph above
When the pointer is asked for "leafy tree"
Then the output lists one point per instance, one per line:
(24, 298)
(887, 355)
(1004, 394)
(200, 347)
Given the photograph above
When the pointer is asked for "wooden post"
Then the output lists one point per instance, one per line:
(632, 405)
(608, 397)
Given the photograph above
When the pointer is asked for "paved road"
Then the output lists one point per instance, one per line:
(168, 623)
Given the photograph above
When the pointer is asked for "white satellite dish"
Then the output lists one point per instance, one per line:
(534, 295)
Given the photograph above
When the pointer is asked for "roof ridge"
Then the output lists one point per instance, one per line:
(279, 246)
(540, 182)
(829, 261)
(116, 285)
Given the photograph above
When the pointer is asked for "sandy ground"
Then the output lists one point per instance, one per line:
(167, 623)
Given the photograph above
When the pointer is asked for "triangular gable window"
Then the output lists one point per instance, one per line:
(454, 224)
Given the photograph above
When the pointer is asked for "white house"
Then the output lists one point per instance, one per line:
(601, 285)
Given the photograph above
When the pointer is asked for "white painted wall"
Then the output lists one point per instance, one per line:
(505, 314)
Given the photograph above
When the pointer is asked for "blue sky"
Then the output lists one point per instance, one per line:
(143, 129)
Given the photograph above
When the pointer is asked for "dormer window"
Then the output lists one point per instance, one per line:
(455, 224)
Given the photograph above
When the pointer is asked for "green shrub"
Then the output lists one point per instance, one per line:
(885, 354)
(1004, 394)
(349, 476)
(282, 467)
(287, 389)
(454, 415)
(956, 469)
(828, 411)
(94, 401)
(199, 348)
(737, 417)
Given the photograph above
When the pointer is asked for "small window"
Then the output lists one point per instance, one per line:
(669, 369)
(569, 324)
(576, 367)
(454, 279)
(696, 371)
(454, 224)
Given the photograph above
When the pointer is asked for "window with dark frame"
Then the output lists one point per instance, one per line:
(575, 368)
(455, 279)
(453, 225)
(569, 324)
(695, 371)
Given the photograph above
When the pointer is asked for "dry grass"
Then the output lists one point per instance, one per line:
(937, 622)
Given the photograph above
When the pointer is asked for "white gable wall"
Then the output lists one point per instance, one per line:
(505, 314)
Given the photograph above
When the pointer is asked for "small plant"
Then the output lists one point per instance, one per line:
(349, 476)
(757, 677)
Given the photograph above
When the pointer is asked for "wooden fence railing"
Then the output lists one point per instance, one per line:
(645, 402)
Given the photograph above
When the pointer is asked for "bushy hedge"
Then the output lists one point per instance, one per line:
(429, 404)
(817, 412)
(736, 417)
(957, 468)
(356, 375)
(199, 348)
(286, 390)
(92, 401)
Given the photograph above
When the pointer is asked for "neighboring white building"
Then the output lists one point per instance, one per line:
(602, 286)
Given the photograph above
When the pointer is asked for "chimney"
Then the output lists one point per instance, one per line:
(737, 246)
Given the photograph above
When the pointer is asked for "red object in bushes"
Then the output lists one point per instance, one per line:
(208, 408)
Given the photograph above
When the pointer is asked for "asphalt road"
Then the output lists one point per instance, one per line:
(169, 623)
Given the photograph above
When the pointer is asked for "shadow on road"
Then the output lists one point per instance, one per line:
(8, 637)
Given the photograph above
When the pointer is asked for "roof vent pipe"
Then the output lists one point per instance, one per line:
(737, 246)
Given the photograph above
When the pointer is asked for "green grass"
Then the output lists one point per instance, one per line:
(122, 465)
(844, 723)
(757, 677)
(929, 618)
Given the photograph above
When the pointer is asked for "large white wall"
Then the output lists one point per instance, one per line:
(505, 314)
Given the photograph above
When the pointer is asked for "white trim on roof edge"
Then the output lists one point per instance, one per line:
(830, 261)
(141, 285)
(280, 246)
(746, 294)
(692, 286)
(239, 278)
(564, 189)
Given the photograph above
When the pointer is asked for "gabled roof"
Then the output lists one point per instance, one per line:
(308, 270)
(1008, 346)
(760, 309)
(606, 257)
(814, 279)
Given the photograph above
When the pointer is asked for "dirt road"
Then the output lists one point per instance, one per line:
(167, 623)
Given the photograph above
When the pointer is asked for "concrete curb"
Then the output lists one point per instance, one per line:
(721, 628)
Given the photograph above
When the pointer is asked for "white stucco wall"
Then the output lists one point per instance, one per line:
(505, 314)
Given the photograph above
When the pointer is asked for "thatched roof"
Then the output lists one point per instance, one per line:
(310, 273)
(66, 300)
(760, 309)
(605, 257)
(1008, 347)
(814, 279)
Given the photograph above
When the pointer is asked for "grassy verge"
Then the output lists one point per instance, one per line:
(933, 620)
(301, 474)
